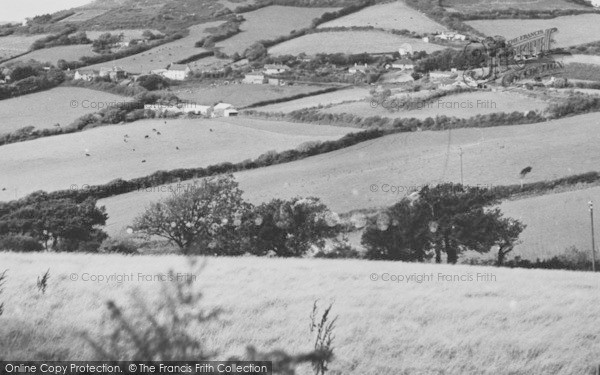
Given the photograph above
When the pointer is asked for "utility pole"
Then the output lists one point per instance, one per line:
(461, 166)
(591, 205)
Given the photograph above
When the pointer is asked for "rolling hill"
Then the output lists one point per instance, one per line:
(354, 178)
(59, 162)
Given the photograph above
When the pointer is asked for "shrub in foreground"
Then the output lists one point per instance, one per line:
(168, 331)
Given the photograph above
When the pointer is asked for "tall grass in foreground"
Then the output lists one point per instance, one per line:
(167, 332)
(2, 281)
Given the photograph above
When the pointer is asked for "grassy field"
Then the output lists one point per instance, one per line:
(478, 5)
(582, 59)
(572, 30)
(52, 55)
(354, 93)
(15, 45)
(351, 42)
(580, 71)
(240, 95)
(392, 15)
(378, 173)
(161, 56)
(270, 23)
(463, 105)
(521, 322)
(554, 221)
(55, 163)
(60, 105)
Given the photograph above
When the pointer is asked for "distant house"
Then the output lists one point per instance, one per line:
(115, 73)
(402, 64)
(254, 78)
(231, 112)
(426, 39)
(177, 72)
(223, 110)
(86, 75)
(358, 69)
(276, 68)
(196, 109)
(450, 36)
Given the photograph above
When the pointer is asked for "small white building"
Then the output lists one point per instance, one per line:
(231, 112)
(223, 110)
(426, 39)
(256, 78)
(86, 75)
(177, 72)
(276, 68)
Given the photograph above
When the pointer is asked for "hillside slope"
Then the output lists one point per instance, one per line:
(354, 178)
(502, 322)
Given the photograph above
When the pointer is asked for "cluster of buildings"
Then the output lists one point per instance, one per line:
(264, 76)
(446, 36)
(114, 74)
(176, 72)
(218, 110)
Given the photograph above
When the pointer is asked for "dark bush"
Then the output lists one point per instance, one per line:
(118, 245)
(20, 243)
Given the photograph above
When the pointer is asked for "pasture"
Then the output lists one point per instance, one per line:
(350, 42)
(14, 45)
(572, 30)
(554, 222)
(517, 322)
(52, 55)
(160, 57)
(392, 15)
(45, 109)
(269, 23)
(463, 105)
(59, 162)
(240, 95)
(380, 172)
(349, 94)
(466, 6)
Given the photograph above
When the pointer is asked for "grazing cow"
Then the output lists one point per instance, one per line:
(147, 136)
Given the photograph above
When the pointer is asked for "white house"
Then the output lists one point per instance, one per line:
(221, 109)
(254, 78)
(450, 36)
(177, 72)
(276, 68)
(86, 75)
(196, 109)
(231, 112)
(426, 39)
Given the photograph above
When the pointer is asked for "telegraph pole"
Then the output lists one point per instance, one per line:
(591, 205)
(461, 166)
